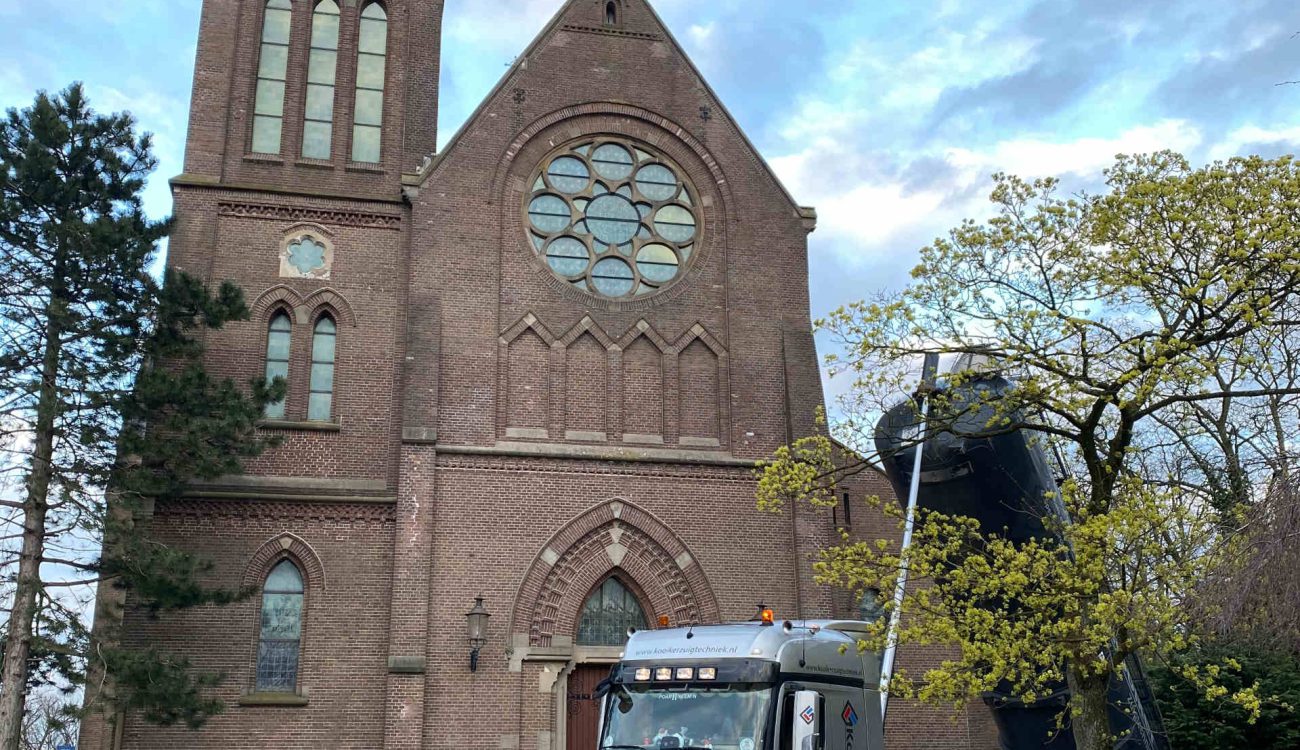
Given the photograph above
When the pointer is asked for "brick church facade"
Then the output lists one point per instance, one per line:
(536, 367)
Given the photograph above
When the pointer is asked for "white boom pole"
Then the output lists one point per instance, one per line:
(928, 375)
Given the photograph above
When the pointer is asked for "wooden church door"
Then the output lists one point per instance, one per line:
(584, 705)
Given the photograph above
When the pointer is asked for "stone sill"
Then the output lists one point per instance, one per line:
(643, 439)
(365, 168)
(646, 454)
(281, 700)
(264, 159)
(280, 424)
(586, 436)
(324, 164)
(407, 665)
(420, 435)
(527, 433)
(202, 181)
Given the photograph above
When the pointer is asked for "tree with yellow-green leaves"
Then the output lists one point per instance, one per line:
(1145, 332)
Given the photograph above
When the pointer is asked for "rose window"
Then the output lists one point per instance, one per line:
(613, 218)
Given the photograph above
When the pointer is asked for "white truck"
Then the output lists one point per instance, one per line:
(800, 685)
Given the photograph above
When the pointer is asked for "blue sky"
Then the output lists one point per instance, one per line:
(889, 116)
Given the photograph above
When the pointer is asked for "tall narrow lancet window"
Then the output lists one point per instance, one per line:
(608, 614)
(272, 69)
(318, 130)
(372, 51)
(280, 639)
(611, 14)
(320, 404)
(278, 339)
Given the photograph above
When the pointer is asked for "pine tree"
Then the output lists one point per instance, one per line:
(104, 404)
(1196, 722)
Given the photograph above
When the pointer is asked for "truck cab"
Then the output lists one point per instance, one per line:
(802, 685)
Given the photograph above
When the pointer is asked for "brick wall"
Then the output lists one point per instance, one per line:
(225, 82)
(343, 665)
(236, 235)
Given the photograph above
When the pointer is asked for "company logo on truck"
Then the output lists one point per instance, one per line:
(808, 715)
(850, 716)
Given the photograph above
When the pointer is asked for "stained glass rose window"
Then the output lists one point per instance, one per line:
(613, 218)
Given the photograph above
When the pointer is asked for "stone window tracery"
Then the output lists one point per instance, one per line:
(608, 614)
(613, 218)
(306, 252)
(280, 632)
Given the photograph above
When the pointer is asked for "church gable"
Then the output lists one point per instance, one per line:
(604, 178)
(619, 52)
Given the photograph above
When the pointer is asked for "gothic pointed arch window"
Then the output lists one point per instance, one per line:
(279, 337)
(280, 633)
(609, 612)
(372, 56)
(611, 13)
(322, 66)
(272, 71)
(320, 402)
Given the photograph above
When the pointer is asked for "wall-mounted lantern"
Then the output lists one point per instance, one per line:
(477, 621)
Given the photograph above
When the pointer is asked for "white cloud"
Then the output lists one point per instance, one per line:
(489, 24)
(1082, 157)
(866, 215)
(876, 214)
(870, 212)
(700, 34)
(1253, 135)
(951, 57)
(1252, 39)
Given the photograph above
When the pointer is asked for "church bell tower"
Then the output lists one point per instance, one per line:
(332, 97)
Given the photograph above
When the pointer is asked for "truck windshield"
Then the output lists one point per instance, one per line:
(725, 718)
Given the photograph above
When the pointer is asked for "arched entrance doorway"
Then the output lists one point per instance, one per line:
(566, 603)
(609, 611)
